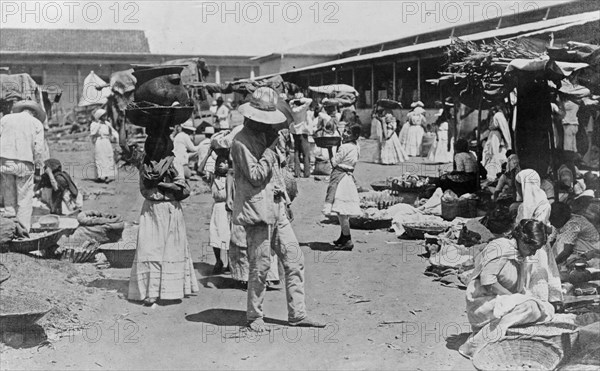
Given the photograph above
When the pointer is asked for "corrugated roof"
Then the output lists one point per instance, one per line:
(73, 41)
(550, 24)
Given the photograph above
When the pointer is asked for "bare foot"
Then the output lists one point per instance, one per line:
(306, 322)
(258, 325)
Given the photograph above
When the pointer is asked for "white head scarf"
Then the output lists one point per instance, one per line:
(533, 195)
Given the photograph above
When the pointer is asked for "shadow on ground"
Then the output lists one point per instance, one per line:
(227, 317)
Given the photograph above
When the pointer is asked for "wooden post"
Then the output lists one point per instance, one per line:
(372, 85)
(393, 81)
(419, 78)
(479, 141)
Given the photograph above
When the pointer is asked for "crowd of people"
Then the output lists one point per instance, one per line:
(544, 226)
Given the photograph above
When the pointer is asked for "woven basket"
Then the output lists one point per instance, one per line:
(562, 335)
(119, 258)
(21, 311)
(367, 223)
(39, 243)
(416, 231)
(517, 354)
(381, 186)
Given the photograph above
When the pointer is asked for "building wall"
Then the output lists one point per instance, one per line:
(287, 63)
(69, 76)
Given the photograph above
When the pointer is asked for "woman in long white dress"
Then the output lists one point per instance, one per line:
(415, 132)
(498, 142)
(439, 151)
(391, 150)
(102, 133)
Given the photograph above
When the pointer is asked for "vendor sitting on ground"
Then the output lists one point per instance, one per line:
(568, 174)
(576, 238)
(500, 295)
(464, 177)
(57, 190)
(506, 190)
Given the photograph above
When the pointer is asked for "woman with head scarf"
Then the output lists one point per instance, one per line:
(58, 190)
(162, 268)
(535, 205)
(496, 145)
(102, 132)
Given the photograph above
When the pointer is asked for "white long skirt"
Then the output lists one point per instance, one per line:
(220, 227)
(439, 152)
(414, 139)
(104, 159)
(392, 152)
(163, 266)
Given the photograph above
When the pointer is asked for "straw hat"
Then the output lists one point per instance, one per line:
(188, 125)
(263, 107)
(99, 113)
(35, 107)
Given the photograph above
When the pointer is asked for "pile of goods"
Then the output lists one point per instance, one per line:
(410, 181)
(380, 200)
(159, 99)
(418, 230)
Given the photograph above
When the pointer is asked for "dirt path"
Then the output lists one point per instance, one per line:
(353, 292)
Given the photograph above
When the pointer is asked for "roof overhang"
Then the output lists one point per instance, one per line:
(550, 25)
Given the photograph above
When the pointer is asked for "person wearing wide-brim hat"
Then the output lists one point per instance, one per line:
(102, 133)
(260, 206)
(183, 146)
(21, 151)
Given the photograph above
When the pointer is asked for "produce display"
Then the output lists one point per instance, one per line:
(380, 200)
(409, 180)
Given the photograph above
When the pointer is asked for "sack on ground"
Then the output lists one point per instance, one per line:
(98, 226)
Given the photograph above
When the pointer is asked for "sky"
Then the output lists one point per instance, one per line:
(256, 27)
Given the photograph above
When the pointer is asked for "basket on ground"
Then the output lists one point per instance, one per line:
(464, 208)
(517, 354)
(38, 241)
(119, 258)
(368, 223)
(562, 335)
(18, 312)
(418, 230)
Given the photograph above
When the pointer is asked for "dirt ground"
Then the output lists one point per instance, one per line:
(381, 280)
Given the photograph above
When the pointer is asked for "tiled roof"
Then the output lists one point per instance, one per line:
(73, 41)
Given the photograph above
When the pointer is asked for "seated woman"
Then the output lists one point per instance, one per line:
(57, 189)
(500, 293)
(577, 239)
(464, 177)
(506, 190)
